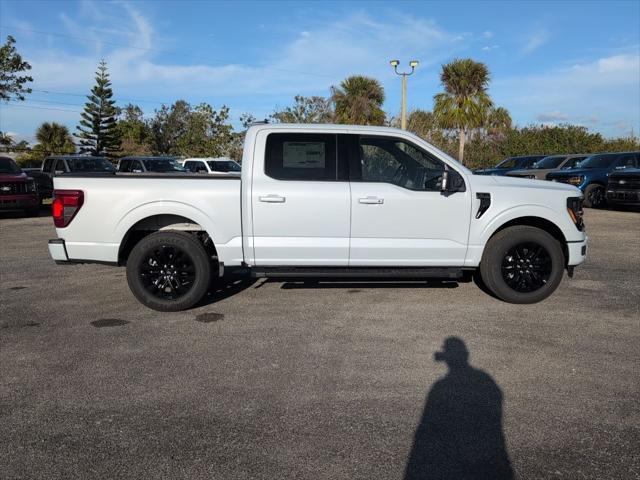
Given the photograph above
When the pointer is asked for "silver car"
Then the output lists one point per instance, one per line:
(548, 164)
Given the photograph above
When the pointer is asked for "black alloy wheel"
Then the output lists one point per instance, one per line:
(167, 272)
(526, 267)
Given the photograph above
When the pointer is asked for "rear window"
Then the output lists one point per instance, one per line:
(301, 156)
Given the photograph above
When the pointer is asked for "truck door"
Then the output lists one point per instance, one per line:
(400, 217)
(300, 201)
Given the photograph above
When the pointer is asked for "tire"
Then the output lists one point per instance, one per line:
(169, 271)
(522, 264)
(594, 196)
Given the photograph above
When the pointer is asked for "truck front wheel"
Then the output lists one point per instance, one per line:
(169, 271)
(522, 264)
(594, 196)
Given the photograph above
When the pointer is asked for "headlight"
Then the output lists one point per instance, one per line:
(574, 208)
(576, 180)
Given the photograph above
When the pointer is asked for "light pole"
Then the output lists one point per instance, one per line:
(403, 114)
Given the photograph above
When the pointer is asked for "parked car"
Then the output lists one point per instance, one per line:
(63, 164)
(509, 164)
(221, 165)
(542, 167)
(322, 200)
(591, 174)
(150, 165)
(624, 187)
(17, 190)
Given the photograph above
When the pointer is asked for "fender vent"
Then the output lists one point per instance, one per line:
(485, 203)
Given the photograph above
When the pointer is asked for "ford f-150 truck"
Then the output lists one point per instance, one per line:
(322, 200)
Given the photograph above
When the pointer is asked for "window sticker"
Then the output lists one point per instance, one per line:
(303, 155)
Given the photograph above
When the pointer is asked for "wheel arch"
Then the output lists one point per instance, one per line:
(161, 216)
(538, 222)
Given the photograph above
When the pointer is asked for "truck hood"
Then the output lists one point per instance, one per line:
(13, 177)
(518, 182)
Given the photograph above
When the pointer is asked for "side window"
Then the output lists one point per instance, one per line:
(136, 166)
(395, 161)
(301, 156)
(46, 167)
(199, 167)
(60, 166)
(125, 166)
(190, 166)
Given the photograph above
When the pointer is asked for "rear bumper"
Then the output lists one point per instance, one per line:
(58, 250)
(577, 252)
(19, 202)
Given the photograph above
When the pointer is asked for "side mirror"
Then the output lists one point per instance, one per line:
(452, 182)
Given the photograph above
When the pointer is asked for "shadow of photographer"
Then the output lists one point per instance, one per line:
(460, 434)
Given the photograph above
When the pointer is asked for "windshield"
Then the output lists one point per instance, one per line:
(223, 166)
(598, 161)
(90, 164)
(548, 162)
(163, 165)
(511, 162)
(8, 166)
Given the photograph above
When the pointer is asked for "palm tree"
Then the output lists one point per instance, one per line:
(54, 138)
(464, 104)
(498, 121)
(358, 100)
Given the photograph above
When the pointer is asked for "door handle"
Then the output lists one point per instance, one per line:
(272, 198)
(371, 200)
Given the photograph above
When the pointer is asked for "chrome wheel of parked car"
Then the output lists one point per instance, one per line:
(526, 267)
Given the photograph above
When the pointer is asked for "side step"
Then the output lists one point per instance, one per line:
(358, 272)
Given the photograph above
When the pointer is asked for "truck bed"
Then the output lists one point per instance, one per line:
(115, 205)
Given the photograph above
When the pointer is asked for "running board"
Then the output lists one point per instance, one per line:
(355, 272)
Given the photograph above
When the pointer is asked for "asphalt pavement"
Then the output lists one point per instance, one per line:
(319, 380)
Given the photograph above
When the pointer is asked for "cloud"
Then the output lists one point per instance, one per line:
(551, 116)
(310, 60)
(535, 41)
(488, 48)
(487, 34)
(603, 91)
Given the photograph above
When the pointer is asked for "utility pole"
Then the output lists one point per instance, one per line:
(403, 109)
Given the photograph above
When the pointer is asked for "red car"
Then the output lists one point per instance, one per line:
(17, 190)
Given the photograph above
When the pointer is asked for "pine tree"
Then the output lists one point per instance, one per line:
(97, 130)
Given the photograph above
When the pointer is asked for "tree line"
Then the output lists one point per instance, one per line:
(464, 121)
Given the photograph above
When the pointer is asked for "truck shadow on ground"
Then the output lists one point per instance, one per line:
(460, 433)
(226, 287)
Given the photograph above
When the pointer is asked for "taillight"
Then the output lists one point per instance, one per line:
(66, 204)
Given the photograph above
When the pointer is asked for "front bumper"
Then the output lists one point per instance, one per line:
(58, 250)
(19, 202)
(577, 252)
(623, 196)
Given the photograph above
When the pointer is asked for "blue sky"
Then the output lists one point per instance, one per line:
(551, 61)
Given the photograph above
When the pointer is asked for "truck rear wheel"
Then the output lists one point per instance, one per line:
(169, 271)
(522, 264)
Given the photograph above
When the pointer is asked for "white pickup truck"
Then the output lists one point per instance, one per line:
(322, 200)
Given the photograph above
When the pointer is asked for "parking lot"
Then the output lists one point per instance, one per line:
(277, 379)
